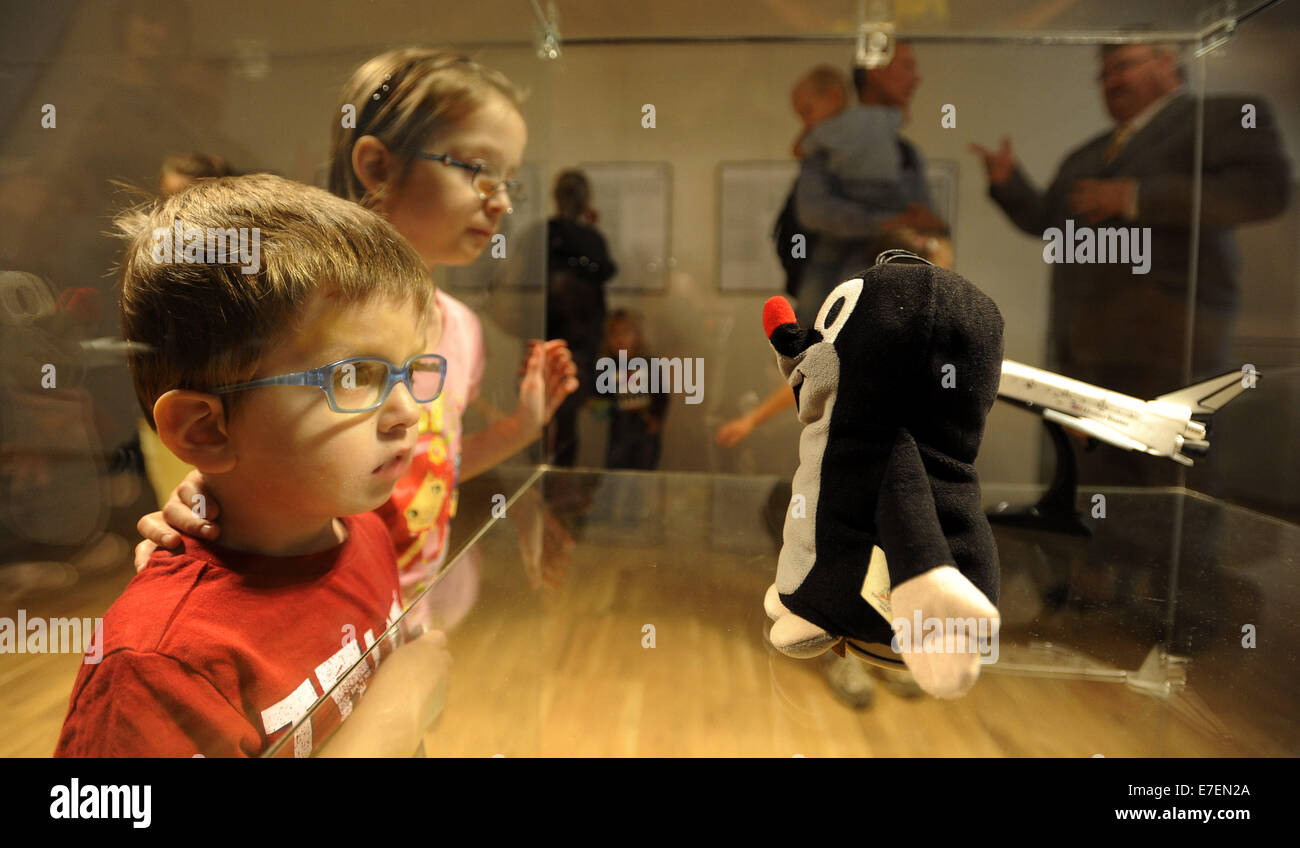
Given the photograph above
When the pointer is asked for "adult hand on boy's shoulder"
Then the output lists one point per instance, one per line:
(190, 510)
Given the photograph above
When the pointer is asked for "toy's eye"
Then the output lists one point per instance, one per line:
(837, 308)
(833, 313)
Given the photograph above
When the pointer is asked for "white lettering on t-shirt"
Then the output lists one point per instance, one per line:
(283, 714)
(353, 686)
(302, 699)
(369, 636)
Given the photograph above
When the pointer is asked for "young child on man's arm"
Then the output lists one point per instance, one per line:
(291, 375)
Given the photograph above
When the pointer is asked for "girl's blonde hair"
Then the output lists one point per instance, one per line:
(404, 98)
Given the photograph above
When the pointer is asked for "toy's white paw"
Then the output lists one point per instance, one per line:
(799, 638)
(944, 675)
(772, 603)
(944, 656)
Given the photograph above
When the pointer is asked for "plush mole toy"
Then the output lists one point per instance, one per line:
(885, 539)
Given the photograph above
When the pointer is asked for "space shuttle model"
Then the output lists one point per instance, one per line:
(1160, 427)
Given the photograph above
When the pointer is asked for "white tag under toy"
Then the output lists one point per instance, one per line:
(875, 589)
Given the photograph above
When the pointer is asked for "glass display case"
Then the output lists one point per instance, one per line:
(603, 605)
(649, 640)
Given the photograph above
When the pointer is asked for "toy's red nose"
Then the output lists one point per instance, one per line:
(776, 311)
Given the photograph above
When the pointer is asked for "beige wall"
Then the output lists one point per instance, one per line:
(729, 103)
(720, 103)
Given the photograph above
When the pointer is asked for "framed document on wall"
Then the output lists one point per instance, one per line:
(750, 197)
(633, 202)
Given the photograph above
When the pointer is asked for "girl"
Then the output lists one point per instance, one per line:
(434, 142)
(636, 418)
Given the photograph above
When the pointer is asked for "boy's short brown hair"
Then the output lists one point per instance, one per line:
(206, 323)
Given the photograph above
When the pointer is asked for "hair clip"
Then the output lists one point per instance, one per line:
(371, 107)
(383, 88)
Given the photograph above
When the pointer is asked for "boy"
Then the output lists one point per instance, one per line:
(271, 369)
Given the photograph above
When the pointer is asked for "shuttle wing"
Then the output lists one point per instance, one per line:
(1096, 430)
(1211, 395)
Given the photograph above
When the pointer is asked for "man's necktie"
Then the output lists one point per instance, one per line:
(1117, 141)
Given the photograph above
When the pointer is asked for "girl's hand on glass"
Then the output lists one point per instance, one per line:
(550, 376)
(531, 408)
(560, 373)
(190, 510)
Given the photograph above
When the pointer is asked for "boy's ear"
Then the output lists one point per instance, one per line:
(371, 162)
(193, 426)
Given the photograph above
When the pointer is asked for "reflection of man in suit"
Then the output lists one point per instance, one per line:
(1128, 331)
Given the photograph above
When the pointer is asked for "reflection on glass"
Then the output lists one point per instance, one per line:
(549, 608)
(653, 641)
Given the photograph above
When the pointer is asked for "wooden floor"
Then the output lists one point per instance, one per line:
(564, 671)
(34, 688)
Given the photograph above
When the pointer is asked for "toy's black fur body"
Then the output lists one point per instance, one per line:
(887, 453)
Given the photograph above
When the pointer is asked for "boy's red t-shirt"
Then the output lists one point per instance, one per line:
(217, 652)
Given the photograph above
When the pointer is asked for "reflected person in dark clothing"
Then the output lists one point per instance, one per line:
(578, 266)
(1117, 324)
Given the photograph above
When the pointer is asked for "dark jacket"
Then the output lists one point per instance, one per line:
(578, 265)
(1245, 178)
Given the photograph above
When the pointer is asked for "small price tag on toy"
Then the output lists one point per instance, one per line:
(875, 589)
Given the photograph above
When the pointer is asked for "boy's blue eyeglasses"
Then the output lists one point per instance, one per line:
(362, 383)
(483, 177)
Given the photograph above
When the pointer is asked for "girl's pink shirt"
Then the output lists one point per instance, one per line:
(424, 501)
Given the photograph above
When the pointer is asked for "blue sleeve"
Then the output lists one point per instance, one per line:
(821, 209)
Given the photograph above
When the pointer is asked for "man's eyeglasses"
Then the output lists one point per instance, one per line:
(362, 383)
(485, 179)
(1123, 66)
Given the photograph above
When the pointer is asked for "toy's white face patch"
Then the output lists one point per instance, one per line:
(837, 308)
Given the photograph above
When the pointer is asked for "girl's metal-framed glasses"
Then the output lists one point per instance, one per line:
(482, 177)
